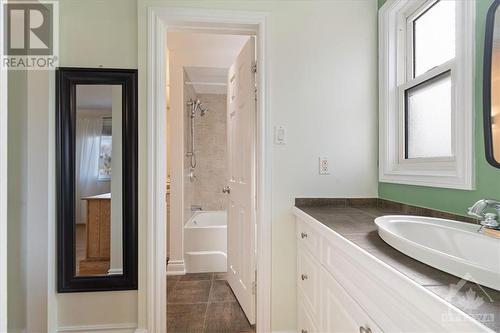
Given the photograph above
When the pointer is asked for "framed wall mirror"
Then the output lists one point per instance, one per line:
(491, 85)
(96, 161)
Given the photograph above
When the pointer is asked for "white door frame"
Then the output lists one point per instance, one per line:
(3, 187)
(159, 20)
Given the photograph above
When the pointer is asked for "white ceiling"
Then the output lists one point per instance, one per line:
(207, 80)
(97, 97)
(206, 57)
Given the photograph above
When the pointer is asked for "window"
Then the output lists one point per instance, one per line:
(105, 150)
(427, 93)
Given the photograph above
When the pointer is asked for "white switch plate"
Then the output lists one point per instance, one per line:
(279, 135)
(323, 165)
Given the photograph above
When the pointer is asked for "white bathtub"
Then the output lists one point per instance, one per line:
(205, 242)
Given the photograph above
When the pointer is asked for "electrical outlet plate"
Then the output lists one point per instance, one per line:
(323, 165)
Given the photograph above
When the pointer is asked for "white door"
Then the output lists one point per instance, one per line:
(241, 115)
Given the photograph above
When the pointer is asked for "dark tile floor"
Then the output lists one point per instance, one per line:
(203, 302)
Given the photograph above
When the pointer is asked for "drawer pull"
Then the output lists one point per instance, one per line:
(305, 277)
(303, 235)
(364, 329)
(303, 331)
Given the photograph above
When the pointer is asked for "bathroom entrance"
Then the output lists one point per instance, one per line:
(211, 220)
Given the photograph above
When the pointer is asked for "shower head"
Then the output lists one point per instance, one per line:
(203, 110)
(196, 105)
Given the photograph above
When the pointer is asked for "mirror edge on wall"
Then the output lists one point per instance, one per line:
(487, 67)
(66, 80)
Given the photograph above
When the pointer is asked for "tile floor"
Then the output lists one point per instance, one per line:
(203, 302)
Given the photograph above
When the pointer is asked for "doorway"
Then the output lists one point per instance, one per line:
(211, 111)
(162, 21)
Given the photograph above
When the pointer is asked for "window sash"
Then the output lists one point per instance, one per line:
(408, 81)
(432, 74)
(421, 9)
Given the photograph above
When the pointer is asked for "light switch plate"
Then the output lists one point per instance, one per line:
(324, 165)
(279, 135)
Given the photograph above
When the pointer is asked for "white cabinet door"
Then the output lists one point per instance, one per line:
(305, 321)
(308, 280)
(339, 312)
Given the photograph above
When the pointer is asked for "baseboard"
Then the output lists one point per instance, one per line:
(176, 267)
(141, 330)
(115, 271)
(104, 328)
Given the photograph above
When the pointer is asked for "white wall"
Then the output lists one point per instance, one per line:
(16, 219)
(324, 90)
(116, 255)
(322, 63)
(92, 33)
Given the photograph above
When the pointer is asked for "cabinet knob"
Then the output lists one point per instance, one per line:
(305, 277)
(303, 235)
(364, 329)
(303, 331)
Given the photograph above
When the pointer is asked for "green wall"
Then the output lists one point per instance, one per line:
(487, 177)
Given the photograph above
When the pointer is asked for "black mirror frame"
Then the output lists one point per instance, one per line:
(66, 81)
(488, 50)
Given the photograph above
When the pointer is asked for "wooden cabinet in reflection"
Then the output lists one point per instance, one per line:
(97, 235)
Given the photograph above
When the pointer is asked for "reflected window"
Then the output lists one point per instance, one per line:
(105, 150)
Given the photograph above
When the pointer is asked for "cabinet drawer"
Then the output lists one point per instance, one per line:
(308, 281)
(340, 313)
(305, 321)
(308, 237)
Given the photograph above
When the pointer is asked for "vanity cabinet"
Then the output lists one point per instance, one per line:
(324, 306)
(343, 288)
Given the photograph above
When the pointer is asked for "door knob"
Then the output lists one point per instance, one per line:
(226, 189)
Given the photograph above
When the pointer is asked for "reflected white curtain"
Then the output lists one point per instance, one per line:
(88, 135)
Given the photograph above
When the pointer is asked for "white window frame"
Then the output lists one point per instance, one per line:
(396, 76)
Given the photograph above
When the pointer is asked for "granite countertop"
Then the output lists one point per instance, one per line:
(354, 220)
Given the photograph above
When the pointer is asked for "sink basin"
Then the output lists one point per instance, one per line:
(454, 247)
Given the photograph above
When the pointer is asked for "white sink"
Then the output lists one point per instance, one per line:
(454, 247)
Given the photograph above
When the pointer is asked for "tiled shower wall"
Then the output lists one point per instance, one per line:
(189, 93)
(210, 148)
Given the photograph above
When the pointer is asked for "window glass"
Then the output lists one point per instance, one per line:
(428, 119)
(105, 150)
(434, 36)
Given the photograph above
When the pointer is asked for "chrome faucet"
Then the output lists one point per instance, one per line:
(487, 220)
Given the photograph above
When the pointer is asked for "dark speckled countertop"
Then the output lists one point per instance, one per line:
(354, 220)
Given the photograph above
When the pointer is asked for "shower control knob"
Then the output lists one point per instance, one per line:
(226, 189)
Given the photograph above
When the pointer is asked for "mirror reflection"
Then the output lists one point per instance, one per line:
(98, 180)
(495, 91)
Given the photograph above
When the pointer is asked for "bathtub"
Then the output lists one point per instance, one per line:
(205, 242)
